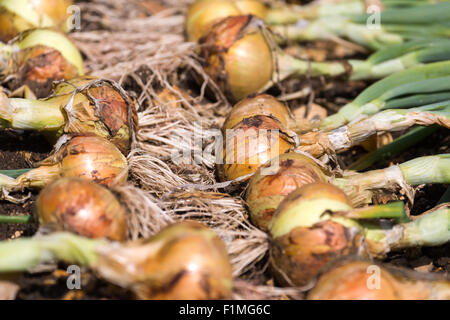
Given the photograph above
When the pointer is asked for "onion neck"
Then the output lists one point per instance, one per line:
(8, 183)
(26, 114)
(5, 58)
(39, 177)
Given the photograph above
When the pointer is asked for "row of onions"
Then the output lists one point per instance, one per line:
(92, 123)
(316, 215)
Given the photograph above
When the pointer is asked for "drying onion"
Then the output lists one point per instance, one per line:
(37, 58)
(20, 15)
(87, 157)
(359, 280)
(242, 59)
(78, 106)
(265, 192)
(82, 207)
(305, 237)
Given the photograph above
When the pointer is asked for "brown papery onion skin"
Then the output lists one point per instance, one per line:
(111, 117)
(296, 257)
(256, 140)
(11, 24)
(38, 68)
(82, 207)
(237, 56)
(265, 192)
(185, 261)
(259, 105)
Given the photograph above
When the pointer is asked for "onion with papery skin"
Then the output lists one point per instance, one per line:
(87, 157)
(359, 280)
(251, 143)
(20, 15)
(85, 105)
(305, 237)
(183, 261)
(265, 192)
(82, 207)
(241, 58)
(37, 58)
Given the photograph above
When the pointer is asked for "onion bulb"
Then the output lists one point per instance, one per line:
(82, 207)
(20, 15)
(265, 192)
(84, 105)
(39, 57)
(251, 143)
(240, 56)
(360, 280)
(86, 157)
(185, 261)
(305, 237)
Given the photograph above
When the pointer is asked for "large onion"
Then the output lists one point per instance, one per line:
(78, 106)
(242, 59)
(265, 192)
(20, 15)
(184, 261)
(305, 237)
(39, 57)
(82, 207)
(87, 157)
(359, 280)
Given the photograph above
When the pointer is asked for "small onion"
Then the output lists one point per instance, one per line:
(44, 56)
(185, 261)
(82, 207)
(251, 143)
(359, 280)
(265, 192)
(305, 237)
(20, 15)
(87, 157)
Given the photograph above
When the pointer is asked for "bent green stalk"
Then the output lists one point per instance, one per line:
(432, 229)
(425, 79)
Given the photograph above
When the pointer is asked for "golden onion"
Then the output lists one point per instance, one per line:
(82, 207)
(39, 57)
(183, 261)
(251, 143)
(265, 192)
(87, 157)
(305, 237)
(20, 15)
(360, 280)
(241, 58)
(79, 106)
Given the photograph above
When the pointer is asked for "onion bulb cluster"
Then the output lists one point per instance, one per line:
(86, 157)
(360, 280)
(38, 58)
(84, 105)
(305, 236)
(20, 15)
(82, 207)
(183, 261)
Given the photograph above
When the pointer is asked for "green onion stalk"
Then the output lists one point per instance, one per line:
(318, 143)
(395, 26)
(183, 261)
(85, 105)
(416, 86)
(276, 179)
(37, 58)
